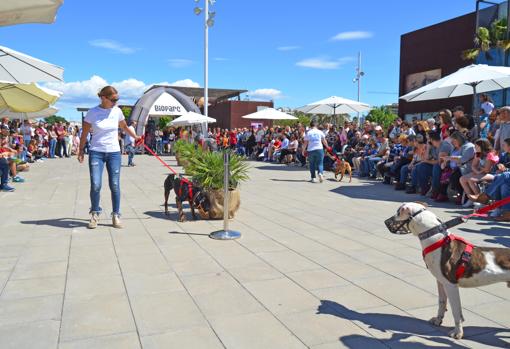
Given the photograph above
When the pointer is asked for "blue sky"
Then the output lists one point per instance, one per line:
(295, 52)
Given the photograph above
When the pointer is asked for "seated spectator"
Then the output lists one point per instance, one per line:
(445, 122)
(482, 165)
(291, 149)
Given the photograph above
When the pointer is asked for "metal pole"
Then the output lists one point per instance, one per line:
(359, 79)
(225, 234)
(206, 59)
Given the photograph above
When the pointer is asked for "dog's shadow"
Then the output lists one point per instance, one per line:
(172, 215)
(404, 327)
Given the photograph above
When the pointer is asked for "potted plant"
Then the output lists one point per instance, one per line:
(207, 169)
(183, 152)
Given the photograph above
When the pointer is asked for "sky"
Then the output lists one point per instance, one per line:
(293, 52)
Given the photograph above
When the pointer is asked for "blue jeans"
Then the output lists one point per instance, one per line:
(97, 161)
(159, 146)
(316, 159)
(500, 188)
(372, 162)
(131, 153)
(4, 170)
(53, 145)
(428, 171)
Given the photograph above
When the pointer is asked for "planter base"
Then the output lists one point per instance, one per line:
(216, 202)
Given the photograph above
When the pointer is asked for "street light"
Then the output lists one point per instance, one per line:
(359, 75)
(208, 22)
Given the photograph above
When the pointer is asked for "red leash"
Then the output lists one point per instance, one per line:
(484, 210)
(142, 141)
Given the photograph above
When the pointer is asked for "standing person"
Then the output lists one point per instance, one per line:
(52, 137)
(314, 144)
(26, 132)
(69, 139)
(130, 144)
(61, 140)
(486, 108)
(104, 122)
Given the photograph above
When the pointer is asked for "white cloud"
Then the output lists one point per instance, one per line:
(352, 35)
(220, 59)
(180, 62)
(113, 46)
(288, 48)
(84, 93)
(323, 62)
(266, 93)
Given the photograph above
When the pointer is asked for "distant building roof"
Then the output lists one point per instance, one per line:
(198, 92)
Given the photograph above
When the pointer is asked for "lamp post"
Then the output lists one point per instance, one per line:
(359, 75)
(208, 22)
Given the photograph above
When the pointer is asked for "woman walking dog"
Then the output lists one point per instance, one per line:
(103, 122)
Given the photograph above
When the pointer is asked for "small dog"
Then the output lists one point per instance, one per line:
(185, 190)
(343, 166)
(451, 260)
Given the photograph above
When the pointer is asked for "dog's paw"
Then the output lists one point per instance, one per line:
(436, 321)
(456, 333)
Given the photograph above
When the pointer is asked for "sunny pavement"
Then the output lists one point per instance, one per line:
(315, 268)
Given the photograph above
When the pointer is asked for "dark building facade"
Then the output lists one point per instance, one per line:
(431, 53)
(228, 114)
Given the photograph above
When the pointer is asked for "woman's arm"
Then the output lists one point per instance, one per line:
(83, 140)
(123, 125)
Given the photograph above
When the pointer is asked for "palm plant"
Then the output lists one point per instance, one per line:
(208, 170)
(488, 38)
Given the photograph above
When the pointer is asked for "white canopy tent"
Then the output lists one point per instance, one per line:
(269, 114)
(29, 116)
(192, 118)
(21, 68)
(473, 79)
(335, 105)
(28, 11)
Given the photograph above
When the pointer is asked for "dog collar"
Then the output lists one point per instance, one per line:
(441, 228)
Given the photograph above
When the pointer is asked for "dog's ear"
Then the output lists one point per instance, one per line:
(422, 203)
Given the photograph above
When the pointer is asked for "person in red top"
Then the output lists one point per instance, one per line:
(61, 140)
(233, 139)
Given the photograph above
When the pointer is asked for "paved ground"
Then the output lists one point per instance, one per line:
(315, 268)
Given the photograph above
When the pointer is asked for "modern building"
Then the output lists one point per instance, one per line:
(431, 53)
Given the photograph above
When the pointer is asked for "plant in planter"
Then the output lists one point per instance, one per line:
(207, 169)
(183, 152)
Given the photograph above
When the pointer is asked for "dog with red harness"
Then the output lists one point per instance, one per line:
(453, 261)
(186, 190)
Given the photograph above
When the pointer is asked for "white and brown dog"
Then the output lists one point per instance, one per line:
(453, 261)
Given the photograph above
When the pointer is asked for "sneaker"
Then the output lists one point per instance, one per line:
(321, 177)
(468, 204)
(313, 180)
(6, 188)
(94, 219)
(400, 186)
(116, 221)
(18, 179)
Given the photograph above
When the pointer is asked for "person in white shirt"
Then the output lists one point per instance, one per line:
(129, 142)
(314, 144)
(104, 149)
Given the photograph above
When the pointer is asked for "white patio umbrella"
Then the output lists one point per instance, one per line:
(26, 98)
(28, 116)
(21, 68)
(335, 105)
(269, 114)
(191, 118)
(28, 11)
(473, 79)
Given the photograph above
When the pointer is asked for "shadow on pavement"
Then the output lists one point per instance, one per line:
(60, 222)
(404, 327)
(184, 233)
(290, 180)
(173, 215)
(281, 168)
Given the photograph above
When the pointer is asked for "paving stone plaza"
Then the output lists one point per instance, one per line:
(315, 268)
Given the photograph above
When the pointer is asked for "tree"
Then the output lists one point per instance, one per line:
(163, 122)
(54, 119)
(126, 110)
(494, 37)
(302, 118)
(382, 116)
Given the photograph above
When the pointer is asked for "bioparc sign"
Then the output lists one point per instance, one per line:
(166, 104)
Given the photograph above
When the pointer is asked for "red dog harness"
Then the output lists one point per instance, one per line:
(466, 255)
(190, 188)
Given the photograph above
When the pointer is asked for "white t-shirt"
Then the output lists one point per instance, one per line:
(487, 107)
(105, 126)
(130, 140)
(314, 138)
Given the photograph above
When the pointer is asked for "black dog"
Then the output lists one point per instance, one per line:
(185, 190)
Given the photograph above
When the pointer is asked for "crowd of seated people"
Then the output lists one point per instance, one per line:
(25, 143)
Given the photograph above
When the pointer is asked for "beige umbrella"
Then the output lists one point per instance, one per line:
(21, 68)
(26, 98)
(28, 11)
(29, 116)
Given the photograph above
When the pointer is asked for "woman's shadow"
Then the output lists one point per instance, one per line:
(60, 222)
(404, 327)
